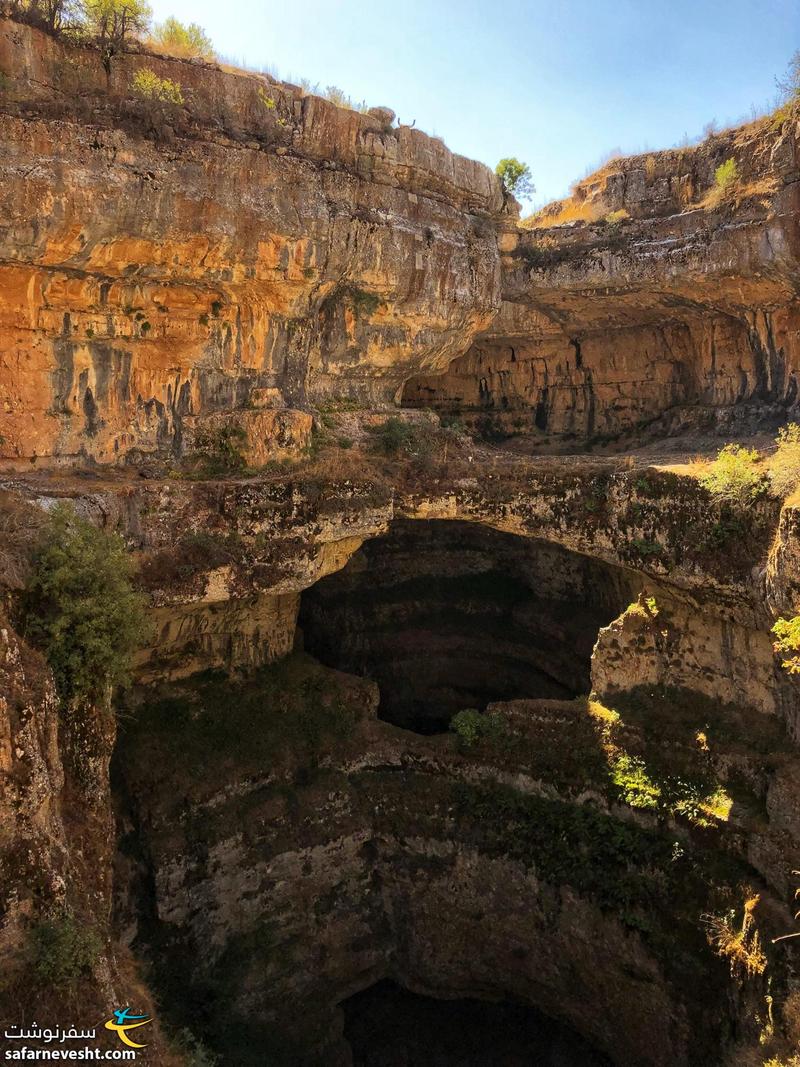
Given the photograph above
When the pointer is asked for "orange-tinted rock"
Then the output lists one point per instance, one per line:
(606, 326)
(159, 265)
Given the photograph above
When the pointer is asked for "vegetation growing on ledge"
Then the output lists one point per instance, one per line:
(738, 942)
(734, 475)
(282, 717)
(472, 726)
(627, 869)
(784, 465)
(424, 444)
(147, 85)
(679, 771)
(178, 39)
(220, 451)
(81, 608)
(516, 177)
(787, 632)
(60, 950)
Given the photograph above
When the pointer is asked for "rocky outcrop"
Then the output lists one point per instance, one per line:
(56, 855)
(234, 259)
(253, 247)
(666, 301)
(674, 644)
(504, 869)
(224, 562)
(33, 843)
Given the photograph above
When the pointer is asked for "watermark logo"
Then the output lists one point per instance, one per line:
(122, 1021)
(60, 1043)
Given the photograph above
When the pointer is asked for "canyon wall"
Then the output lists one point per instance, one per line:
(659, 301)
(249, 250)
(259, 275)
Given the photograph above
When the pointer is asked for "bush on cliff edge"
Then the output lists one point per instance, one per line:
(734, 475)
(81, 608)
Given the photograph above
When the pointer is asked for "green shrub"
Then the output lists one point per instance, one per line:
(61, 950)
(179, 39)
(645, 548)
(471, 726)
(734, 475)
(726, 175)
(345, 442)
(636, 787)
(221, 451)
(80, 605)
(393, 436)
(787, 632)
(147, 85)
(784, 466)
(267, 101)
(364, 304)
(197, 1054)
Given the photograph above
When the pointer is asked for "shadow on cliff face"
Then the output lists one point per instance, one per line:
(449, 615)
(387, 1026)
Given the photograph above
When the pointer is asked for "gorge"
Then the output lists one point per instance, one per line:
(457, 729)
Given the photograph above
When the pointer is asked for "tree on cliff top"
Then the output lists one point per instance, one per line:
(177, 39)
(790, 85)
(81, 607)
(116, 21)
(52, 15)
(516, 178)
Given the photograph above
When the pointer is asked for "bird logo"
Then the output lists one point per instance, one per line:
(122, 1021)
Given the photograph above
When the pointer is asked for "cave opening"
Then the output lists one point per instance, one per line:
(445, 615)
(388, 1026)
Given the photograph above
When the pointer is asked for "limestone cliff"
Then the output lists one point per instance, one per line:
(254, 248)
(657, 299)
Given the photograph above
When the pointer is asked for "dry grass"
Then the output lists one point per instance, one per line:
(695, 467)
(740, 946)
(174, 51)
(737, 194)
(567, 211)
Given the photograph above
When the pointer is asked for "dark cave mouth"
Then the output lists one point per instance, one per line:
(388, 1026)
(446, 615)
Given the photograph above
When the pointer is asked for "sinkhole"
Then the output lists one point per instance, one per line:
(387, 1026)
(445, 615)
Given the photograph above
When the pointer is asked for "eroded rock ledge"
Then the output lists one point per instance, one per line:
(262, 262)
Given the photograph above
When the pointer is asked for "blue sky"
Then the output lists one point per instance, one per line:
(559, 85)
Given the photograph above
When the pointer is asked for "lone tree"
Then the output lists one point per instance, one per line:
(178, 39)
(789, 86)
(116, 21)
(54, 15)
(516, 178)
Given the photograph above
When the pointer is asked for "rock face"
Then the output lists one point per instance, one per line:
(254, 250)
(412, 858)
(679, 308)
(33, 776)
(164, 264)
(56, 844)
(284, 848)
